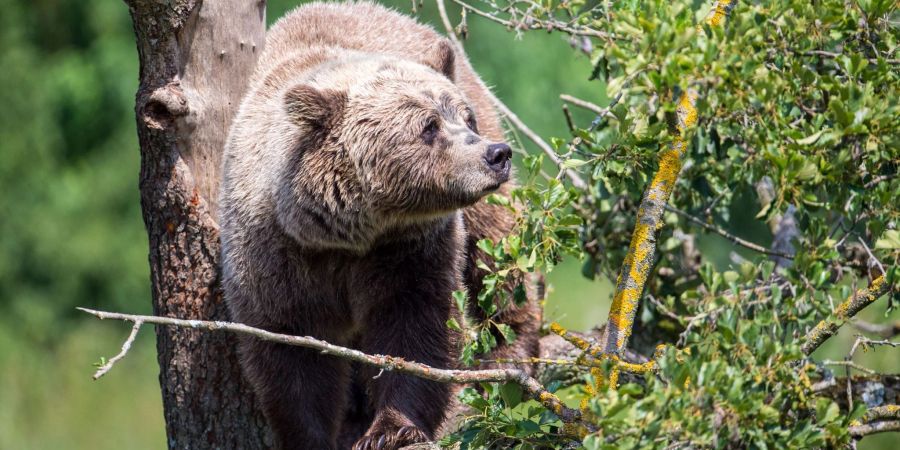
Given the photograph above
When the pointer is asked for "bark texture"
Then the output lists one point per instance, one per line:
(196, 59)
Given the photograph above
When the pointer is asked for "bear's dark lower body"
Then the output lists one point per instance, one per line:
(394, 300)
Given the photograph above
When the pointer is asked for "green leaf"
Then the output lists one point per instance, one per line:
(508, 334)
(889, 240)
(486, 246)
(840, 111)
(520, 296)
(453, 324)
(460, 297)
(811, 139)
(511, 393)
(572, 163)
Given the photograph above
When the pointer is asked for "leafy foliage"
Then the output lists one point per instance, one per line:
(797, 141)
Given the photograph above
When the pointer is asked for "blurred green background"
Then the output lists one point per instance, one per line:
(71, 232)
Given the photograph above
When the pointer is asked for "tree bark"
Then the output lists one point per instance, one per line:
(196, 59)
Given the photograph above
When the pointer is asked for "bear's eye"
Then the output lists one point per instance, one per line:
(429, 133)
(470, 122)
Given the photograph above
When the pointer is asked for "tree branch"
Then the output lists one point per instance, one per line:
(882, 413)
(584, 104)
(125, 347)
(385, 362)
(860, 431)
(642, 249)
(873, 390)
(887, 330)
(846, 310)
(734, 239)
(537, 24)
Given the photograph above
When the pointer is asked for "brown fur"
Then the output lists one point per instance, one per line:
(344, 220)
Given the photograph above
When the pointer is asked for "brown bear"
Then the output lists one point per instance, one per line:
(351, 202)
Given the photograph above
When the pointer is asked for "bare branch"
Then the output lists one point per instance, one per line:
(874, 181)
(569, 121)
(850, 364)
(846, 310)
(584, 104)
(385, 362)
(734, 239)
(537, 24)
(125, 347)
(872, 259)
(601, 112)
(576, 180)
(887, 330)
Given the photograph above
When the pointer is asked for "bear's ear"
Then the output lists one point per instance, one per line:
(320, 108)
(442, 58)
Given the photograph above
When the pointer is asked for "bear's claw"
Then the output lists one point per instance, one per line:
(390, 439)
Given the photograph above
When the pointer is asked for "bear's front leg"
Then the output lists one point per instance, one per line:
(411, 325)
(302, 392)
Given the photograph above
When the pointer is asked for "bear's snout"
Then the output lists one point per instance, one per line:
(498, 158)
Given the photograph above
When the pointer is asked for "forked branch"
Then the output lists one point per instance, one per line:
(845, 311)
(385, 362)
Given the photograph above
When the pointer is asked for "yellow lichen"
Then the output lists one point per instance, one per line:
(597, 375)
(551, 402)
(718, 13)
(578, 342)
(638, 260)
(557, 329)
(637, 368)
(571, 429)
(641, 250)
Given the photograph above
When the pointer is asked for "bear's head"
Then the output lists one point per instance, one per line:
(381, 143)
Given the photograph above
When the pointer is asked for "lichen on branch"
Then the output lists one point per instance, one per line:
(857, 301)
(642, 249)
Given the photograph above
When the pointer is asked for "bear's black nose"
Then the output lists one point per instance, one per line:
(497, 157)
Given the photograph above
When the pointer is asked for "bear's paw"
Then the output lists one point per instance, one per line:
(390, 438)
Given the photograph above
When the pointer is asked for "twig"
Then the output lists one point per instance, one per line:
(533, 360)
(569, 122)
(846, 310)
(601, 112)
(584, 104)
(596, 122)
(834, 55)
(866, 343)
(887, 330)
(125, 347)
(536, 24)
(874, 181)
(872, 258)
(504, 110)
(386, 362)
(734, 239)
(849, 364)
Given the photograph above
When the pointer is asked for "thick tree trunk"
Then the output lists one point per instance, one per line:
(196, 59)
